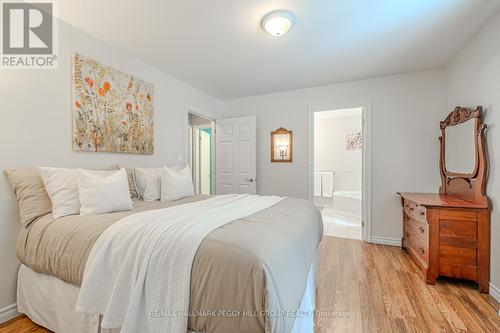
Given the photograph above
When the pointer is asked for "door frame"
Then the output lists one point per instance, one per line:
(366, 210)
(210, 116)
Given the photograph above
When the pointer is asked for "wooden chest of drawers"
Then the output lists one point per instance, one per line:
(447, 237)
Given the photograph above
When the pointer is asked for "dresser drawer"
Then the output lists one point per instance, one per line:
(415, 210)
(420, 228)
(417, 244)
(461, 234)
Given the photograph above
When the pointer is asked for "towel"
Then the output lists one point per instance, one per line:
(327, 184)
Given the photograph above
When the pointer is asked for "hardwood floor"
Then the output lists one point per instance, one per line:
(382, 290)
(375, 288)
(22, 325)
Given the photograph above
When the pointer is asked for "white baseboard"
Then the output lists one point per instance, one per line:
(8, 313)
(495, 292)
(386, 241)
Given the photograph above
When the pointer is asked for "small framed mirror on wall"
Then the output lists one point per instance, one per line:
(281, 145)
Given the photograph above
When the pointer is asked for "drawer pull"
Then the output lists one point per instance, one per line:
(422, 250)
(421, 229)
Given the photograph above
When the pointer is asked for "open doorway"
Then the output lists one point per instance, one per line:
(338, 171)
(201, 152)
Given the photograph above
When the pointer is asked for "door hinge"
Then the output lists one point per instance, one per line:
(363, 223)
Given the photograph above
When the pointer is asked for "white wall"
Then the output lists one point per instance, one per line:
(330, 152)
(406, 110)
(35, 128)
(473, 78)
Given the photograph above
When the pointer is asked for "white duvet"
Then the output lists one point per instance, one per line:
(138, 273)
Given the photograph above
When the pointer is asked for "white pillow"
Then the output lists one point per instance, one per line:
(61, 185)
(103, 193)
(147, 182)
(176, 184)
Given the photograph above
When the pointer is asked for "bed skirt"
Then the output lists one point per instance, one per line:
(50, 303)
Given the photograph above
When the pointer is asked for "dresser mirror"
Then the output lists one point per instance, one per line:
(463, 163)
(460, 148)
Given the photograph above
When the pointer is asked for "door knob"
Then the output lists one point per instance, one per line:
(251, 180)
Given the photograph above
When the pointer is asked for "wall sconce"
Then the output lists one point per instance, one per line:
(281, 145)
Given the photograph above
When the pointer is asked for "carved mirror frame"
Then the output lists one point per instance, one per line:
(466, 186)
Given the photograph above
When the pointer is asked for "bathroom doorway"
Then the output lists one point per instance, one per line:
(337, 173)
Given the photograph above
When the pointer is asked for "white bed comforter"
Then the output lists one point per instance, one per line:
(138, 273)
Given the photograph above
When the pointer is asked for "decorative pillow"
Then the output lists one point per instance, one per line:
(131, 183)
(31, 196)
(61, 185)
(176, 184)
(103, 193)
(147, 182)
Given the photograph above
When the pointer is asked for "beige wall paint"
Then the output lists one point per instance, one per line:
(406, 110)
(36, 128)
(473, 78)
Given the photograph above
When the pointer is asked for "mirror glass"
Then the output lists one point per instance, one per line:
(281, 146)
(460, 152)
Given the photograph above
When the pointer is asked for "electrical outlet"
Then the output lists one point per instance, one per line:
(179, 158)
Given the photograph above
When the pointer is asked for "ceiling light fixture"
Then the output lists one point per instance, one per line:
(277, 23)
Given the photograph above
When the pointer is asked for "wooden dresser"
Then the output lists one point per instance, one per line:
(448, 233)
(447, 236)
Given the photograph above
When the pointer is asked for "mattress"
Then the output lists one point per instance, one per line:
(231, 269)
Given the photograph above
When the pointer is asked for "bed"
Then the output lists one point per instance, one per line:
(230, 277)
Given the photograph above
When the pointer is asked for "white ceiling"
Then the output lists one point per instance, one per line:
(218, 46)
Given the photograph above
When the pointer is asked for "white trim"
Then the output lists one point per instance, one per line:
(495, 293)
(201, 113)
(385, 241)
(8, 313)
(367, 156)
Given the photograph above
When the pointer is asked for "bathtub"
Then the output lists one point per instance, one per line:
(348, 202)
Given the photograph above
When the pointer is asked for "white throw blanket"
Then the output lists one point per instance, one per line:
(138, 272)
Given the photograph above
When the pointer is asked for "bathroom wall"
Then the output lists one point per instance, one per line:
(330, 151)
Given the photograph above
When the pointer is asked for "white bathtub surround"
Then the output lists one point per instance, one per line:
(348, 201)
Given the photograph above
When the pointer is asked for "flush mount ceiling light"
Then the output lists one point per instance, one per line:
(277, 23)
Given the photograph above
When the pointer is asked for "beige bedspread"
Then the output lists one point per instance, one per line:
(231, 268)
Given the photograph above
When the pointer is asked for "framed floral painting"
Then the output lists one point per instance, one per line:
(112, 110)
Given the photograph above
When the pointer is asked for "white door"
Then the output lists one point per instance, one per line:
(236, 159)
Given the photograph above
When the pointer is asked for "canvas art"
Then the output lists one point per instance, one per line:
(112, 110)
(353, 141)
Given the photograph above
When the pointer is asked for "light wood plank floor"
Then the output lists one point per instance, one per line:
(376, 288)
